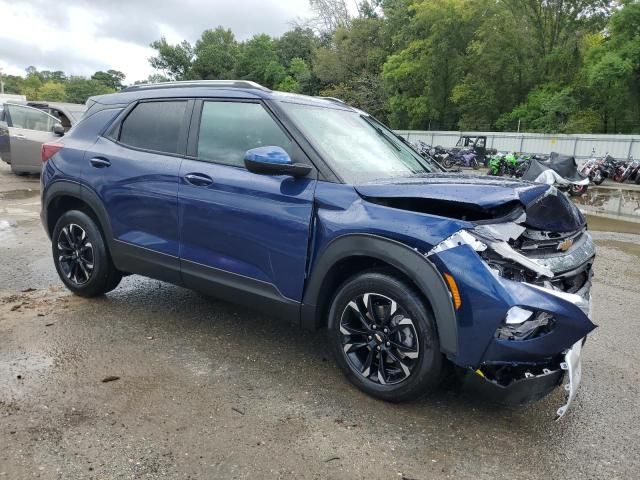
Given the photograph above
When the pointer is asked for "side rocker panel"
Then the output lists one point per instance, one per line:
(408, 261)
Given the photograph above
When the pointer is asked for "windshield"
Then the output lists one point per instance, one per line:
(357, 147)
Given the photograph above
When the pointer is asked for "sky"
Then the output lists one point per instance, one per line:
(81, 37)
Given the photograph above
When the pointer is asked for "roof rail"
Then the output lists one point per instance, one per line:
(197, 83)
(332, 99)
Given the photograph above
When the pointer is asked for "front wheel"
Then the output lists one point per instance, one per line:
(448, 162)
(384, 338)
(81, 257)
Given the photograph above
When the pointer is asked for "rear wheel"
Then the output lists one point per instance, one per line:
(598, 178)
(384, 338)
(81, 257)
(448, 162)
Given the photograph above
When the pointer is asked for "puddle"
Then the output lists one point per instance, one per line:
(5, 229)
(626, 247)
(604, 224)
(622, 203)
(19, 194)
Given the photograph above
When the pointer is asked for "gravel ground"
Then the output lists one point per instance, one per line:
(207, 389)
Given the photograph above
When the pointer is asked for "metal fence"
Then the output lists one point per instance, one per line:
(581, 146)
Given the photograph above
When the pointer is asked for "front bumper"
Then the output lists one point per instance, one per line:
(509, 370)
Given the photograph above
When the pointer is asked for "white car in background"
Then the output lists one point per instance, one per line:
(25, 127)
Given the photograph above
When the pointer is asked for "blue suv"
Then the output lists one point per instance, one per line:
(312, 210)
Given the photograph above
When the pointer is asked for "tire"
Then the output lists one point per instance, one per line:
(578, 190)
(81, 256)
(447, 162)
(598, 178)
(475, 165)
(412, 327)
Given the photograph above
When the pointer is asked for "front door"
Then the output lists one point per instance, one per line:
(242, 232)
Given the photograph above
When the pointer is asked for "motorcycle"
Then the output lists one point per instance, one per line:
(590, 168)
(560, 171)
(427, 151)
(605, 168)
(626, 170)
(511, 165)
(463, 158)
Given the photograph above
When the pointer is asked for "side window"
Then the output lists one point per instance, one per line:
(154, 126)
(228, 130)
(30, 118)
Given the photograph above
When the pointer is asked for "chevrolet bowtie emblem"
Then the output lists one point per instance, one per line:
(565, 244)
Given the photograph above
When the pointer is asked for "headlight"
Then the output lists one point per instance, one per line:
(493, 238)
(533, 326)
(517, 315)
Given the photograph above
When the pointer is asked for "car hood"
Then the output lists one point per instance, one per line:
(478, 198)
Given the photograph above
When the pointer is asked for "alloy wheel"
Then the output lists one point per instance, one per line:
(75, 254)
(379, 340)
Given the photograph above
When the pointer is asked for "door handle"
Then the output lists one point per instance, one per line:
(19, 135)
(100, 162)
(198, 179)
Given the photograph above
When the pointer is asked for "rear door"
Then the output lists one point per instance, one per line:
(242, 231)
(134, 171)
(29, 128)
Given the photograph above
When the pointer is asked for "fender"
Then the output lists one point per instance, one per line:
(69, 188)
(411, 263)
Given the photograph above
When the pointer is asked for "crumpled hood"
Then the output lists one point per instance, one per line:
(477, 198)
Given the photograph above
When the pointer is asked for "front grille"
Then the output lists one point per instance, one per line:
(579, 255)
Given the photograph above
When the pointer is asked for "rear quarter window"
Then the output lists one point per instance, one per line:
(154, 126)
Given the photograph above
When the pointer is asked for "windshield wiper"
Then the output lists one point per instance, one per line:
(381, 133)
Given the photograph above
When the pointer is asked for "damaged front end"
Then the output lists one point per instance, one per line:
(525, 303)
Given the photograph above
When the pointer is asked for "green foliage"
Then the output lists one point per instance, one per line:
(79, 89)
(173, 60)
(216, 53)
(541, 65)
(52, 92)
(111, 78)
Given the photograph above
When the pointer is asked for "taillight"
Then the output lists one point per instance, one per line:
(48, 150)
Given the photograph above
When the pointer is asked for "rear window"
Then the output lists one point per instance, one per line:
(154, 126)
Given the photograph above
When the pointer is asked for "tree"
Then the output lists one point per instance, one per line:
(215, 55)
(297, 43)
(78, 89)
(52, 92)
(421, 78)
(173, 60)
(111, 78)
(330, 14)
(257, 60)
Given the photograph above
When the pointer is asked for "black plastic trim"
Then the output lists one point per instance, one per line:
(415, 266)
(231, 287)
(131, 258)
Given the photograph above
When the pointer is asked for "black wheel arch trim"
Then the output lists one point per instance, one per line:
(69, 188)
(415, 266)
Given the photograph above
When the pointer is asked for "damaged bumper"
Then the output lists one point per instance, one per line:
(523, 314)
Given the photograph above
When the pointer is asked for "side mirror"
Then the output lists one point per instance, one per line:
(273, 160)
(58, 129)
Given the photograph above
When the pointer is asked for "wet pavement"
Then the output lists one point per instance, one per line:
(618, 202)
(206, 389)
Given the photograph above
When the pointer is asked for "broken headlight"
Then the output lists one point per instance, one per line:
(491, 242)
(522, 324)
